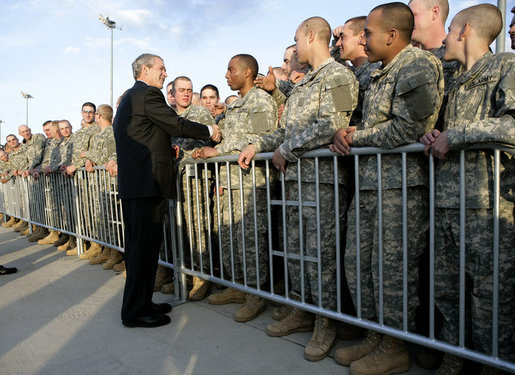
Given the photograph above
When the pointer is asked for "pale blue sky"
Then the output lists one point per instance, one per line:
(59, 52)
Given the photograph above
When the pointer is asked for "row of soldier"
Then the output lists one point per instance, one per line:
(384, 92)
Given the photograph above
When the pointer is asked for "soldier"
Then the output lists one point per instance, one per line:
(480, 110)
(65, 148)
(350, 49)
(209, 96)
(402, 104)
(169, 95)
(182, 93)
(103, 150)
(253, 115)
(17, 160)
(319, 104)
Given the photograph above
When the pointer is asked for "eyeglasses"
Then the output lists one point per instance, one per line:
(89, 112)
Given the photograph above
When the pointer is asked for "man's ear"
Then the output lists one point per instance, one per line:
(392, 35)
(464, 32)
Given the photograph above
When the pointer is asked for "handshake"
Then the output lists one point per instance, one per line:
(217, 134)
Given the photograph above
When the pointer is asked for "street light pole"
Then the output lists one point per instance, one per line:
(1, 122)
(110, 25)
(27, 97)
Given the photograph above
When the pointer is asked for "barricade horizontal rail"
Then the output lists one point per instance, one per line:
(247, 229)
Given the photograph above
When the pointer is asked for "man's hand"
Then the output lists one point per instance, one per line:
(196, 153)
(279, 161)
(63, 167)
(25, 173)
(337, 32)
(35, 175)
(89, 166)
(70, 170)
(217, 134)
(217, 109)
(208, 152)
(246, 156)
(429, 139)
(440, 146)
(47, 171)
(296, 76)
(177, 150)
(266, 83)
(340, 142)
(112, 168)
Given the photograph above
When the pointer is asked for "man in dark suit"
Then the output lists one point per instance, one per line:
(143, 127)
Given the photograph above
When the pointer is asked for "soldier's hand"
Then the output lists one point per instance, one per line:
(25, 173)
(208, 152)
(89, 166)
(340, 144)
(217, 109)
(440, 146)
(296, 76)
(266, 83)
(337, 32)
(246, 156)
(47, 171)
(35, 175)
(428, 139)
(279, 161)
(197, 153)
(112, 168)
(217, 133)
(70, 170)
(63, 167)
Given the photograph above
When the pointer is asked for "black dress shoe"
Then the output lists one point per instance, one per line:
(8, 270)
(161, 308)
(148, 321)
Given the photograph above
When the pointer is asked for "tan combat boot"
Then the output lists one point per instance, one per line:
(229, 295)
(200, 289)
(163, 276)
(64, 246)
(120, 267)
(168, 288)
(100, 258)
(390, 357)
(345, 356)
(115, 258)
(279, 313)
(9, 223)
(252, 307)
(323, 339)
(26, 232)
(296, 321)
(94, 250)
(50, 239)
(73, 251)
(20, 226)
(451, 365)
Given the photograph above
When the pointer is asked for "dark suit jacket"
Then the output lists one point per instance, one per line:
(143, 127)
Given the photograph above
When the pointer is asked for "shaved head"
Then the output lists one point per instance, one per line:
(319, 26)
(429, 4)
(396, 16)
(484, 19)
(248, 62)
(356, 24)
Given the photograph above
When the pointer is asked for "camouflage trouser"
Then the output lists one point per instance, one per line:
(392, 252)
(196, 208)
(326, 277)
(479, 276)
(246, 243)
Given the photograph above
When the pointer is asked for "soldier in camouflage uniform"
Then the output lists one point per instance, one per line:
(480, 110)
(34, 147)
(196, 222)
(253, 115)
(401, 105)
(318, 105)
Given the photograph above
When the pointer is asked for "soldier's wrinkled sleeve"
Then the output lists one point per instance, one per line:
(417, 100)
(338, 98)
(498, 128)
(269, 142)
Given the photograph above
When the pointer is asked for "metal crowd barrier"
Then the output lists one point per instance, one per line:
(87, 206)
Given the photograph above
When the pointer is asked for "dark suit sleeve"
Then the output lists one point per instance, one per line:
(165, 118)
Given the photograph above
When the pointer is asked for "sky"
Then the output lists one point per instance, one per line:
(58, 51)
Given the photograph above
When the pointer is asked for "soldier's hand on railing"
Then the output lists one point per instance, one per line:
(266, 83)
(246, 156)
(89, 166)
(35, 175)
(217, 133)
(112, 168)
(70, 170)
(196, 153)
(208, 152)
(440, 146)
(341, 140)
(47, 171)
(428, 139)
(63, 167)
(279, 161)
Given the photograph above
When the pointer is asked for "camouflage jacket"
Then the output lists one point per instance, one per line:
(34, 149)
(18, 158)
(82, 140)
(318, 105)
(198, 114)
(251, 116)
(363, 73)
(102, 147)
(62, 154)
(481, 109)
(51, 148)
(400, 106)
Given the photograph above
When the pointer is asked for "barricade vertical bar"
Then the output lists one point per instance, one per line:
(358, 247)
(337, 228)
(180, 286)
(301, 232)
(319, 250)
(256, 238)
(208, 218)
(219, 219)
(462, 251)
(198, 234)
(76, 198)
(404, 245)
(269, 224)
(229, 197)
(285, 241)
(380, 236)
(495, 297)
(190, 209)
(242, 228)
(431, 247)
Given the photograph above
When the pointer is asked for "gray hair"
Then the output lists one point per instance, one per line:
(145, 59)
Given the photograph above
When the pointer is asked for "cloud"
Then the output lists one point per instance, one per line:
(467, 3)
(72, 50)
(137, 17)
